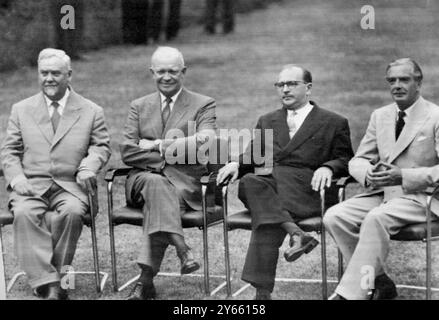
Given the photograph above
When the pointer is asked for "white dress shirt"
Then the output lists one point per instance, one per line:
(298, 117)
(173, 98)
(62, 103)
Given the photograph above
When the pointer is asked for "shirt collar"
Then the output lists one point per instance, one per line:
(304, 110)
(62, 102)
(407, 111)
(174, 98)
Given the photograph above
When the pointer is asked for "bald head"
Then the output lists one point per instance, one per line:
(306, 75)
(168, 70)
(167, 55)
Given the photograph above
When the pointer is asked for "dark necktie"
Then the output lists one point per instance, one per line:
(166, 111)
(55, 115)
(399, 123)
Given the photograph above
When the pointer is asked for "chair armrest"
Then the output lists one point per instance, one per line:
(433, 190)
(344, 181)
(116, 172)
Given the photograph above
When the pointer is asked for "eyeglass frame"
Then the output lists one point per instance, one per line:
(290, 84)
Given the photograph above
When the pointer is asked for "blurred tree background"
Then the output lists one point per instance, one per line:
(27, 26)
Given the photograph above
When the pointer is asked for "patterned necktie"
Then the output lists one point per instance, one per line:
(55, 115)
(166, 111)
(291, 123)
(399, 123)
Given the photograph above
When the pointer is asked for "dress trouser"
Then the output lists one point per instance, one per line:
(361, 228)
(259, 195)
(46, 232)
(162, 211)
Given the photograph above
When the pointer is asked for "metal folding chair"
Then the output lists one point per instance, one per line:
(210, 215)
(424, 232)
(7, 218)
(242, 220)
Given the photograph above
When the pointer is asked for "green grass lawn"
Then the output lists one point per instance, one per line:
(239, 70)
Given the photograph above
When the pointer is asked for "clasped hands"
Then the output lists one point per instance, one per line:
(383, 175)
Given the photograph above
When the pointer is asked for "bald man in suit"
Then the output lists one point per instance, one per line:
(310, 146)
(398, 158)
(55, 141)
(162, 130)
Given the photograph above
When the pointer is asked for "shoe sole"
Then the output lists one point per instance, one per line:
(306, 249)
(190, 269)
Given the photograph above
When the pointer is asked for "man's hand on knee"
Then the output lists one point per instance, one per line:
(24, 188)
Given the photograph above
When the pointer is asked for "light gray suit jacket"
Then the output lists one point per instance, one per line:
(416, 151)
(32, 149)
(192, 113)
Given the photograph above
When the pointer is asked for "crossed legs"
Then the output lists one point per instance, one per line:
(361, 228)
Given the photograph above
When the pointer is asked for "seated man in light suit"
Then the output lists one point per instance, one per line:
(55, 141)
(310, 146)
(397, 160)
(167, 123)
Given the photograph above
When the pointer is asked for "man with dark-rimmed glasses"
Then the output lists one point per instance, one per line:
(310, 146)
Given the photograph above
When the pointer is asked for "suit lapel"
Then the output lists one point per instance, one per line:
(418, 117)
(153, 115)
(70, 116)
(42, 119)
(311, 124)
(178, 111)
(279, 123)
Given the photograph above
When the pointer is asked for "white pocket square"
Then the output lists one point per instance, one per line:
(422, 138)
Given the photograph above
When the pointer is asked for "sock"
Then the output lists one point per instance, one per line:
(146, 275)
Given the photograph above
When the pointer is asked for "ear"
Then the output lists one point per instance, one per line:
(151, 70)
(183, 71)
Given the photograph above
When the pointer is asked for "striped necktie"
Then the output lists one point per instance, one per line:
(166, 112)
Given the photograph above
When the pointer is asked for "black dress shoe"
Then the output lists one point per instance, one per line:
(338, 297)
(55, 292)
(188, 263)
(41, 291)
(303, 244)
(263, 294)
(142, 291)
(385, 288)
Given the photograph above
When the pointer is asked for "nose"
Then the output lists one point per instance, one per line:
(285, 88)
(49, 77)
(166, 76)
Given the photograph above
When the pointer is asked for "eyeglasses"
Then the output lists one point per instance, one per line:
(289, 84)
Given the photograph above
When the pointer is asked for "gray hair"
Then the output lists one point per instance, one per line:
(50, 52)
(166, 51)
(417, 72)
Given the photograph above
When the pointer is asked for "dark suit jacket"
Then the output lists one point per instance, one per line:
(192, 113)
(322, 140)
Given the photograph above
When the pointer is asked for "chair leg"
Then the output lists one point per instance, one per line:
(340, 266)
(95, 257)
(93, 204)
(428, 250)
(205, 242)
(323, 248)
(226, 242)
(2, 270)
(111, 233)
